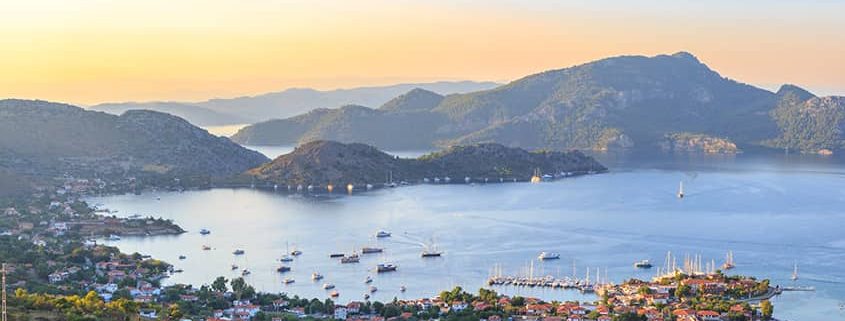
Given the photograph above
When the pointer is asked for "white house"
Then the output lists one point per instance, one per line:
(340, 312)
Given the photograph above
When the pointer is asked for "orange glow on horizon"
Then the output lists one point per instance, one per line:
(88, 52)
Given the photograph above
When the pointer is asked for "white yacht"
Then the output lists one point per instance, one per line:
(383, 234)
(328, 286)
(386, 267)
(548, 256)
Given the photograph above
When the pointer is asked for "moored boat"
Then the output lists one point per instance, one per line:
(316, 276)
(386, 267)
(643, 264)
(370, 250)
(381, 234)
(238, 252)
(548, 256)
(350, 259)
(328, 286)
(283, 269)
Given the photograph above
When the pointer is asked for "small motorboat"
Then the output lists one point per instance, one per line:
(334, 294)
(383, 234)
(643, 264)
(366, 296)
(113, 237)
(428, 253)
(246, 272)
(286, 258)
(372, 289)
(316, 276)
(328, 286)
(234, 267)
(336, 255)
(283, 269)
(386, 267)
(368, 279)
(238, 252)
(548, 256)
(296, 252)
(182, 257)
(402, 288)
(178, 271)
(288, 280)
(205, 232)
(206, 248)
(370, 250)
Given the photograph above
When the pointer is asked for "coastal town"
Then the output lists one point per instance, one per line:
(56, 269)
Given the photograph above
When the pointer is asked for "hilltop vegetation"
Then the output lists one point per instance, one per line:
(324, 162)
(809, 124)
(614, 103)
(42, 139)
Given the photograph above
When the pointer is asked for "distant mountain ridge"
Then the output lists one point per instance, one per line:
(612, 103)
(44, 139)
(286, 103)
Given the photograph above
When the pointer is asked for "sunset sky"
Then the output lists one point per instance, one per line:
(92, 51)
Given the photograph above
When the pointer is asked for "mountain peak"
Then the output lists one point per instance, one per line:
(686, 56)
(801, 93)
(417, 99)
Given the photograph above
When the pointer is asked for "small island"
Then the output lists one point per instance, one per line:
(323, 163)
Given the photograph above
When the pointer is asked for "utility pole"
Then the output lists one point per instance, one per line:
(4, 292)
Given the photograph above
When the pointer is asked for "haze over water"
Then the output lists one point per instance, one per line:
(770, 211)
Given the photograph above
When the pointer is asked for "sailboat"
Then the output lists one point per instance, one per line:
(795, 272)
(729, 261)
(286, 257)
(430, 250)
(681, 190)
(536, 177)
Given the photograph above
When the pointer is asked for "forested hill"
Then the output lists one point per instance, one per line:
(327, 162)
(613, 103)
(39, 138)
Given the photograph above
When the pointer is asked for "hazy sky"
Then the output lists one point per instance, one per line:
(91, 51)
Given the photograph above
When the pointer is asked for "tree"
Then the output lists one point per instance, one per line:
(328, 305)
(489, 296)
(219, 284)
(315, 306)
(238, 286)
(390, 311)
(682, 290)
(767, 309)
(630, 316)
(174, 313)
(643, 290)
(377, 307)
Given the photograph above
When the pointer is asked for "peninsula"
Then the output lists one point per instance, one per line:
(323, 163)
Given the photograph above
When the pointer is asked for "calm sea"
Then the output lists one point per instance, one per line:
(773, 212)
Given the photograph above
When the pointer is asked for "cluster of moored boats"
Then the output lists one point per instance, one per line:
(547, 281)
(353, 257)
